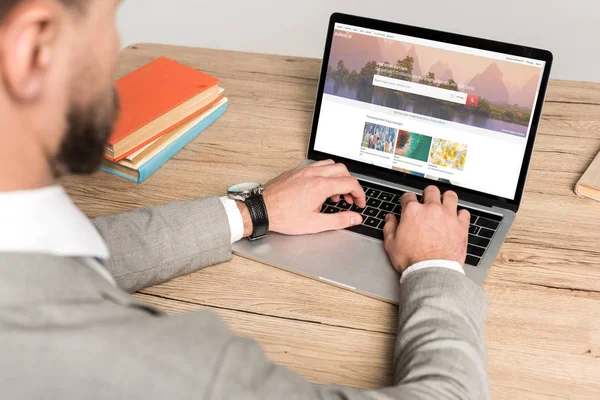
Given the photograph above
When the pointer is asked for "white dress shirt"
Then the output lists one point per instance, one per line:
(45, 221)
(236, 223)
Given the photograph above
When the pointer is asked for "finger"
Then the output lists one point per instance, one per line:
(330, 170)
(330, 222)
(464, 217)
(321, 163)
(348, 199)
(390, 227)
(450, 201)
(431, 195)
(349, 185)
(407, 198)
(335, 198)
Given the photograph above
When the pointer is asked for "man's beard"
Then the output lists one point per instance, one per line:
(88, 130)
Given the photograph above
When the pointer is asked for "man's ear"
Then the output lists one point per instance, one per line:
(28, 41)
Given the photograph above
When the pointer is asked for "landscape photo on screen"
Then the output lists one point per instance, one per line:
(502, 94)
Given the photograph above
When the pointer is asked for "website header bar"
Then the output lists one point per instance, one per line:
(440, 45)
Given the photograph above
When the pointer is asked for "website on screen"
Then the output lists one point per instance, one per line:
(444, 112)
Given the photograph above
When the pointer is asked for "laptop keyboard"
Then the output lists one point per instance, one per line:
(382, 201)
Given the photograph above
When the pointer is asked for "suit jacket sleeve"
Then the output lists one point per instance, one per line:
(440, 351)
(152, 245)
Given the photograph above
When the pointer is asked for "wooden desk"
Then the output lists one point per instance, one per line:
(543, 325)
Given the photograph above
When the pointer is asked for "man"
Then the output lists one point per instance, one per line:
(67, 327)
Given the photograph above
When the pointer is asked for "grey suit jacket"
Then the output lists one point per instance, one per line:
(67, 333)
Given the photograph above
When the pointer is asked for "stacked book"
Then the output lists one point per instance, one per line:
(164, 106)
(589, 184)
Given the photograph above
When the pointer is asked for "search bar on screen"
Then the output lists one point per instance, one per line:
(425, 90)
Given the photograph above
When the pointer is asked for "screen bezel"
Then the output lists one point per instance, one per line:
(451, 38)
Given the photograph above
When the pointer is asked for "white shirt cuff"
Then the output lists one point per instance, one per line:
(234, 216)
(453, 265)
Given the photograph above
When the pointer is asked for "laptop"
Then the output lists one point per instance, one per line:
(403, 108)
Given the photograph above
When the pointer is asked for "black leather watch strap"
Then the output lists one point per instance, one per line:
(258, 213)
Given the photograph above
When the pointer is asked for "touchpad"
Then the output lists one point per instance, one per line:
(352, 261)
(342, 258)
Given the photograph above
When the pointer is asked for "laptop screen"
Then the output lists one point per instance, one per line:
(444, 112)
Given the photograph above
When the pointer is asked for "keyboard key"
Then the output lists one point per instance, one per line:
(479, 241)
(331, 210)
(371, 221)
(343, 205)
(397, 210)
(475, 250)
(386, 196)
(381, 224)
(357, 209)
(472, 260)
(367, 231)
(473, 218)
(382, 214)
(323, 207)
(474, 230)
(396, 199)
(370, 212)
(386, 206)
(487, 223)
(372, 193)
(485, 215)
(330, 202)
(488, 233)
(373, 202)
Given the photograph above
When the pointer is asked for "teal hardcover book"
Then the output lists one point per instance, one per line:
(157, 161)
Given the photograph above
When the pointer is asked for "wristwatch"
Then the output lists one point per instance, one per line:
(252, 194)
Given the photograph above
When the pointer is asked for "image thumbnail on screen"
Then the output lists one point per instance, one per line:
(448, 154)
(379, 137)
(413, 145)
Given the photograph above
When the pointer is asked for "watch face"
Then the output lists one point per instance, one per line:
(244, 188)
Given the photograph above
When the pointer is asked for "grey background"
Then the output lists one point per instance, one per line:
(570, 29)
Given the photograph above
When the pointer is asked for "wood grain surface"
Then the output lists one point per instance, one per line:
(543, 326)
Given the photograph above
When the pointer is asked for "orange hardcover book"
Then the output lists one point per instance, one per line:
(155, 99)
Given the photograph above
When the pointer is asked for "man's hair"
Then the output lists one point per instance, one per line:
(7, 5)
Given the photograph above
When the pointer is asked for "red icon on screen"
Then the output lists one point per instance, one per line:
(472, 100)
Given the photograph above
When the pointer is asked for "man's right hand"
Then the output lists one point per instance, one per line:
(429, 231)
(294, 200)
